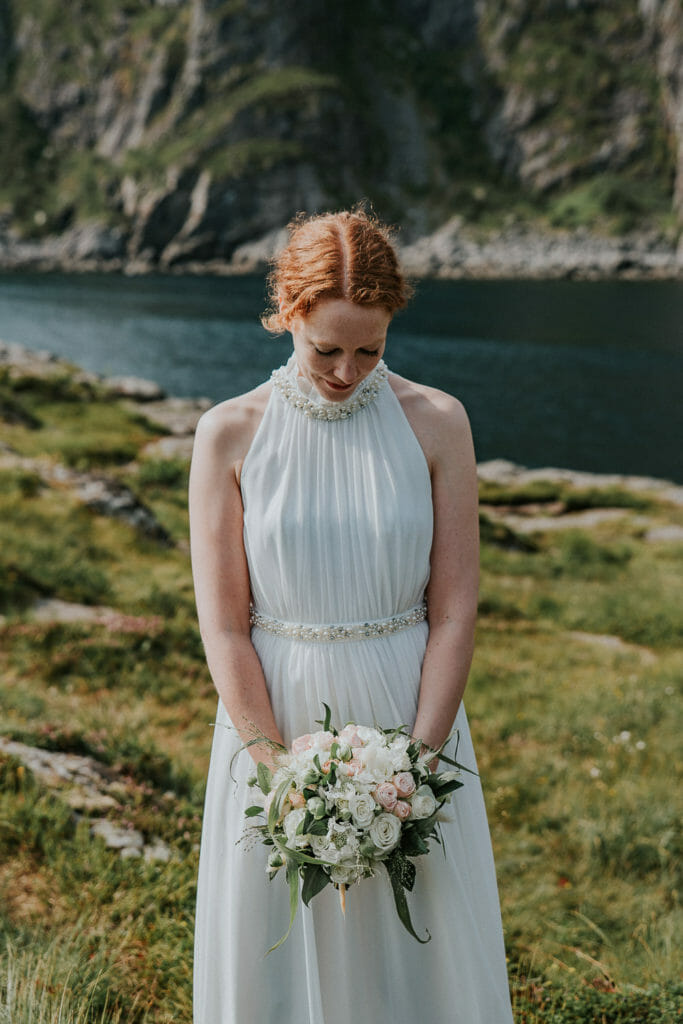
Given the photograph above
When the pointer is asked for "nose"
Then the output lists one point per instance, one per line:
(346, 370)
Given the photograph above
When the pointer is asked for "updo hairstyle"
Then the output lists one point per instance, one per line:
(345, 255)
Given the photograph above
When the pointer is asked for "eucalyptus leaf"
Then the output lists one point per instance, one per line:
(252, 811)
(264, 778)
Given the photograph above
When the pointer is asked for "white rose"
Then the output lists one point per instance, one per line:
(290, 824)
(385, 832)
(423, 803)
(362, 807)
(322, 848)
(345, 874)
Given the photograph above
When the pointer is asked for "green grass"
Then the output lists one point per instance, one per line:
(575, 738)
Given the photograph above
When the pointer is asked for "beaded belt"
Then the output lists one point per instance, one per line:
(346, 631)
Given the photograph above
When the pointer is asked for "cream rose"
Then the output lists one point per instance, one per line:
(362, 807)
(423, 803)
(385, 832)
(344, 874)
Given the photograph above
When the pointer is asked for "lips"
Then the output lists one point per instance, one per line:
(339, 387)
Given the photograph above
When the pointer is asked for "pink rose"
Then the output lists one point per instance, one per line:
(386, 795)
(296, 799)
(351, 767)
(302, 743)
(402, 809)
(405, 783)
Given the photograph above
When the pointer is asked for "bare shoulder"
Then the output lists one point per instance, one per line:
(226, 430)
(438, 419)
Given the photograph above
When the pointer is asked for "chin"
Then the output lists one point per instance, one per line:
(337, 393)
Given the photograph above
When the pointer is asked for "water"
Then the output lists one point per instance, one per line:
(587, 375)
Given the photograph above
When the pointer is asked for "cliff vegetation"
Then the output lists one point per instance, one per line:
(166, 132)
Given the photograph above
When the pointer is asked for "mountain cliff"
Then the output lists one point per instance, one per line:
(171, 131)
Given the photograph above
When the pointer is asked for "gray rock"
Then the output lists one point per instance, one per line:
(157, 850)
(118, 838)
(509, 473)
(112, 498)
(170, 448)
(52, 609)
(88, 784)
(134, 387)
(671, 534)
(177, 415)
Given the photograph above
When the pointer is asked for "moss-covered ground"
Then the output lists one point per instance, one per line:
(576, 733)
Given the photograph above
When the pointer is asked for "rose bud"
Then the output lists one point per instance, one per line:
(402, 809)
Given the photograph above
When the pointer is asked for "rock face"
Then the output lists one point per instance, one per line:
(167, 134)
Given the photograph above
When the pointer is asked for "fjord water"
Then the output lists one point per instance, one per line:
(586, 375)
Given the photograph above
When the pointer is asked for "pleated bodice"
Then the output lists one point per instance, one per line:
(337, 512)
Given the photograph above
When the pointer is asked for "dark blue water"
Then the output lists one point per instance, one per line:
(587, 375)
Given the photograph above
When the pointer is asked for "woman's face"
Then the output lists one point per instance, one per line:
(338, 344)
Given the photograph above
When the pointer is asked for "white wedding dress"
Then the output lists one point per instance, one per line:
(337, 531)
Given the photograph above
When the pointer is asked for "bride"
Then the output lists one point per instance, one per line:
(339, 494)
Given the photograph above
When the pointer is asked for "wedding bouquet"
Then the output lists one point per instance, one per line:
(339, 804)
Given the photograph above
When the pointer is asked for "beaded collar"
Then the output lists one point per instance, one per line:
(288, 383)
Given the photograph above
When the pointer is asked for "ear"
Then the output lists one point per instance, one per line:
(285, 313)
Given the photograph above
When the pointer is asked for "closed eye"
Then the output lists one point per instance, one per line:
(331, 352)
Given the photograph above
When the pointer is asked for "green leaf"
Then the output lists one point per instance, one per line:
(298, 855)
(252, 811)
(315, 880)
(292, 872)
(442, 789)
(327, 719)
(318, 828)
(264, 778)
(412, 844)
(452, 761)
(395, 870)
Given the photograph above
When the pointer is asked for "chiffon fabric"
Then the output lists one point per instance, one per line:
(338, 530)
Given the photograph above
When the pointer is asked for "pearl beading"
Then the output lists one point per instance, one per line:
(364, 394)
(335, 633)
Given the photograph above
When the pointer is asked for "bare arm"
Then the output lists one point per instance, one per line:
(453, 587)
(221, 576)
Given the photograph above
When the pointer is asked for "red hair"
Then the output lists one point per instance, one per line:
(347, 255)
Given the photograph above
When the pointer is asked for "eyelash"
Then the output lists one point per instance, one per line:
(365, 351)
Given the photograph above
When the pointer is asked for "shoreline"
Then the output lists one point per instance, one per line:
(178, 416)
(454, 251)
